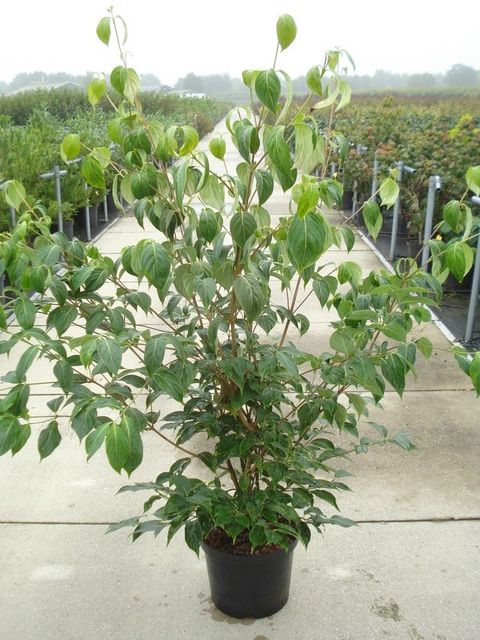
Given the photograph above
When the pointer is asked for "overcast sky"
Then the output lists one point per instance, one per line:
(172, 37)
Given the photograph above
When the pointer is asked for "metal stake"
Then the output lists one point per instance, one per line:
(87, 215)
(375, 177)
(355, 197)
(13, 217)
(105, 209)
(434, 185)
(401, 166)
(472, 307)
(58, 194)
(57, 174)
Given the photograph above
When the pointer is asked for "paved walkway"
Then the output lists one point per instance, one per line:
(410, 570)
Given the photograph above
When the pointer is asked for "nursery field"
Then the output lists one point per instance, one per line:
(33, 124)
(436, 135)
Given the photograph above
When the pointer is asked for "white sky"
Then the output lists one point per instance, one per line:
(172, 37)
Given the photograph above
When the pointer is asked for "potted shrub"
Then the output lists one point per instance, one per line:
(259, 416)
(68, 213)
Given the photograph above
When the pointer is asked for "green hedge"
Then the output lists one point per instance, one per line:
(437, 134)
(33, 123)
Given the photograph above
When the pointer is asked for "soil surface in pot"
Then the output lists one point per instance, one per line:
(219, 540)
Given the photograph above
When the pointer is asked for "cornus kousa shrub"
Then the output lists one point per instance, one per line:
(267, 412)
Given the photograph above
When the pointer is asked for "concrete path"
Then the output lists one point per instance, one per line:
(411, 569)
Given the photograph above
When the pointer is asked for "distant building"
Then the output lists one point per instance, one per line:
(190, 94)
(162, 88)
(68, 84)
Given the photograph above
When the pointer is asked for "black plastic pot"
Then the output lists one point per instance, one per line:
(347, 200)
(111, 204)
(93, 217)
(249, 586)
(68, 228)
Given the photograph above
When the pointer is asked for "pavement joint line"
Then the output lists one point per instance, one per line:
(442, 390)
(441, 520)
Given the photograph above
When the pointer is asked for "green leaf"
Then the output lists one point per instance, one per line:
(114, 128)
(190, 140)
(350, 272)
(345, 95)
(126, 82)
(155, 263)
(424, 346)
(70, 147)
(314, 80)
(305, 157)
(184, 280)
(372, 217)
(49, 255)
(10, 431)
(308, 201)
(473, 179)
(246, 138)
(452, 214)
(393, 369)
(344, 341)
(117, 446)
(23, 435)
(242, 226)
(212, 194)
(103, 30)
(63, 372)
(131, 426)
(307, 239)
(154, 354)
(327, 497)
(62, 318)
(249, 295)
(324, 287)
(257, 536)
(193, 535)
(110, 354)
(286, 31)
(84, 419)
(395, 331)
(25, 312)
(264, 184)
(206, 289)
(267, 88)
(96, 90)
(217, 148)
(307, 414)
(25, 361)
(280, 157)
(49, 439)
(223, 273)
(14, 193)
(403, 441)
(474, 372)
(169, 384)
(237, 369)
(459, 259)
(208, 225)
(348, 237)
(92, 171)
(342, 522)
(389, 191)
(95, 439)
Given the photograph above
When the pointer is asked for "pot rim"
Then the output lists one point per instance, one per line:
(243, 557)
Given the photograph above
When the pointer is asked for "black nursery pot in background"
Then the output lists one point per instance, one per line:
(249, 586)
(347, 200)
